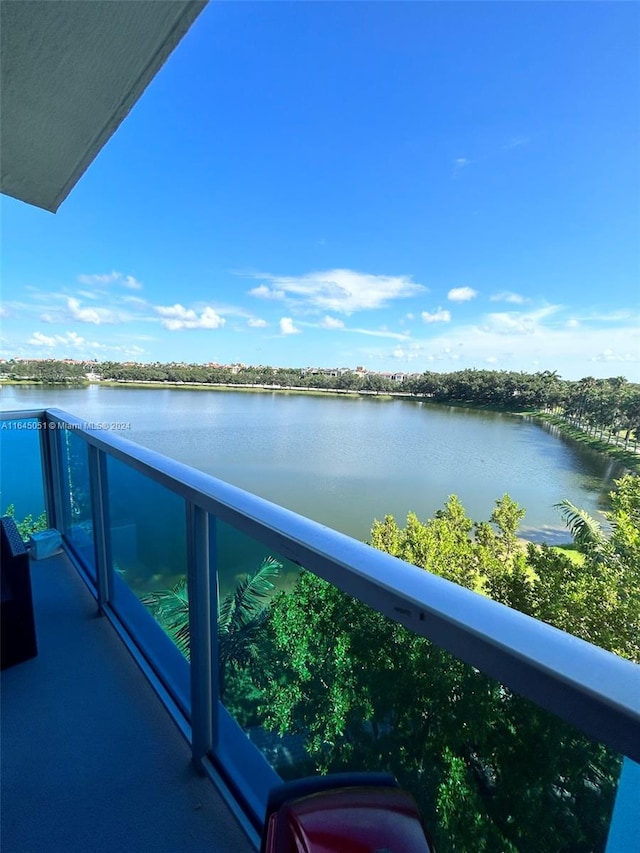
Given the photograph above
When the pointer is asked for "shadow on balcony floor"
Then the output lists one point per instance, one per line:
(90, 758)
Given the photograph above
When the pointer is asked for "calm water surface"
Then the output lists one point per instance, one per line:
(345, 461)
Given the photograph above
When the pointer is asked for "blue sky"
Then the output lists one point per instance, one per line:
(404, 186)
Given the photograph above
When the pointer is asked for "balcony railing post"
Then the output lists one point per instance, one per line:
(202, 631)
(47, 470)
(624, 829)
(101, 525)
(52, 465)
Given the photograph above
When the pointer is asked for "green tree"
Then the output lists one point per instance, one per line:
(489, 769)
(600, 600)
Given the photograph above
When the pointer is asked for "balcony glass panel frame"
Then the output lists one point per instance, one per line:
(588, 687)
(76, 516)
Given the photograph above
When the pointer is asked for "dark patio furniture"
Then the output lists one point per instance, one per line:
(17, 627)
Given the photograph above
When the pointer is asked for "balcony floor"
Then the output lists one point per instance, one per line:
(90, 758)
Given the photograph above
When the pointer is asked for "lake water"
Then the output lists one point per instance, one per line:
(345, 461)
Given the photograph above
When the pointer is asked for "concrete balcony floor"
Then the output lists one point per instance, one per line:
(90, 759)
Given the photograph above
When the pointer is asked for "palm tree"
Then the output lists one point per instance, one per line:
(587, 532)
(240, 616)
(170, 607)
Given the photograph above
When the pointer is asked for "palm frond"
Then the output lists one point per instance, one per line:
(240, 614)
(585, 529)
(170, 607)
(248, 600)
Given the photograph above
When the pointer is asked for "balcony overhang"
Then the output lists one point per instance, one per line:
(71, 71)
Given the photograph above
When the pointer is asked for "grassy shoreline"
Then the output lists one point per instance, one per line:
(629, 458)
(74, 383)
(251, 389)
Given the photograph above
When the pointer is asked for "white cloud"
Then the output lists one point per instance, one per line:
(82, 348)
(341, 291)
(516, 142)
(439, 316)
(612, 316)
(176, 317)
(94, 278)
(76, 340)
(408, 353)
(573, 323)
(40, 340)
(131, 283)
(287, 327)
(332, 323)
(508, 296)
(264, 292)
(380, 333)
(610, 355)
(209, 319)
(70, 339)
(517, 322)
(61, 308)
(84, 315)
(531, 340)
(256, 323)
(114, 277)
(459, 164)
(461, 294)
(96, 316)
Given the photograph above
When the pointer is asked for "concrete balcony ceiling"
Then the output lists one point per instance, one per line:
(70, 72)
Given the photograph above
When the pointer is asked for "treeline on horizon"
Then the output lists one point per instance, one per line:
(605, 406)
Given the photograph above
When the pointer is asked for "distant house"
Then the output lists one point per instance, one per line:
(320, 371)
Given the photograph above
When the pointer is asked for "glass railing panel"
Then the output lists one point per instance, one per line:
(249, 575)
(147, 532)
(21, 483)
(148, 538)
(321, 683)
(77, 519)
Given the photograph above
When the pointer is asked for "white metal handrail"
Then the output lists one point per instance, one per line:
(592, 689)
